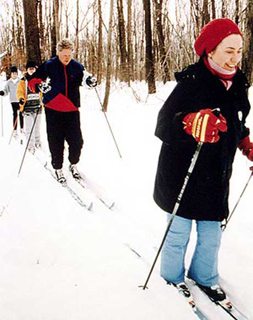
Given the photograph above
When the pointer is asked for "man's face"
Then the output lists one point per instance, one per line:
(65, 56)
(31, 70)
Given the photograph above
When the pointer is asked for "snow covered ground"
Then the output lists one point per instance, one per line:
(59, 261)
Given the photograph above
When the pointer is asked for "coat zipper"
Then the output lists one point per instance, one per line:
(66, 82)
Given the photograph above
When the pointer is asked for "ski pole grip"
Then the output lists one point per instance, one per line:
(216, 112)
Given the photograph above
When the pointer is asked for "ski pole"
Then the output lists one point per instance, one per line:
(29, 138)
(108, 123)
(176, 206)
(15, 123)
(223, 226)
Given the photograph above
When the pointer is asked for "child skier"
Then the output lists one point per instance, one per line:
(11, 89)
(30, 105)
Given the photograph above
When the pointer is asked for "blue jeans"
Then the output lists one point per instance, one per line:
(204, 264)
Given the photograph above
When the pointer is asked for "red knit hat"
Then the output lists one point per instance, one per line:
(213, 33)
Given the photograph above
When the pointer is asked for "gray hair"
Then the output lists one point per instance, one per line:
(65, 44)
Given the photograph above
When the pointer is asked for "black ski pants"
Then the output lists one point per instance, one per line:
(15, 109)
(63, 126)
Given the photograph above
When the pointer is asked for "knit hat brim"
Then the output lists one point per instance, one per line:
(30, 64)
(14, 69)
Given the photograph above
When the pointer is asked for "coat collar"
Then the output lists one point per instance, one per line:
(199, 71)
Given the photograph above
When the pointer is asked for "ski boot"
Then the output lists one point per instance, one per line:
(76, 175)
(60, 176)
(185, 291)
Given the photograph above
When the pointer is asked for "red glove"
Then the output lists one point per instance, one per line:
(204, 126)
(32, 84)
(247, 148)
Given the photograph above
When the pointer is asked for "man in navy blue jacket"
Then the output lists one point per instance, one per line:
(59, 79)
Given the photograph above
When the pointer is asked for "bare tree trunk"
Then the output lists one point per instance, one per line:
(122, 42)
(32, 31)
(77, 30)
(55, 27)
(196, 16)
(213, 9)
(129, 41)
(248, 49)
(41, 30)
(18, 56)
(18, 20)
(161, 40)
(93, 42)
(167, 31)
(100, 44)
(141, 56)
(236, 11)
(57, 18)
(60, 31)
(109, 60)
(206, 15)
(66, 21)
(150, 70)
(223, 9)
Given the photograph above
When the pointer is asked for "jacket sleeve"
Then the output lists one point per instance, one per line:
(37, 78)
(40, 73)
(86, 75)
(179, 103)
(6, 89)
(245, 131)
(21, 93)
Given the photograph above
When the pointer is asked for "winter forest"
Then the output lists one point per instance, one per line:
(85, 252)
(129, 40)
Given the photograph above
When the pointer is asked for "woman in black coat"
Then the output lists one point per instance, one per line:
(190, 116)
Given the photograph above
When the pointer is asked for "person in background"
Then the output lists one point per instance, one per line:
(31, 107)
(208, 105)
(11, 89)
(59, 78)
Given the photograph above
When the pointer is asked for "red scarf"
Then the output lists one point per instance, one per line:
(226, 78)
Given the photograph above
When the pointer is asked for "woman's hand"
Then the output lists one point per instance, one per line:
(204, 125)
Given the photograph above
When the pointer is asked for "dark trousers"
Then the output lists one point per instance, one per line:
(15, 109)
(63, 126)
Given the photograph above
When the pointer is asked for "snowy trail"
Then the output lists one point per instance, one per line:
(59, 261)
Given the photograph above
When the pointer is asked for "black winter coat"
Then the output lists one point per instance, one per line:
(206, 195)
(65, 82)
